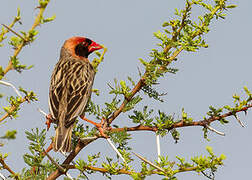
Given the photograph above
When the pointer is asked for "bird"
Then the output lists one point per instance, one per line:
(70, 88)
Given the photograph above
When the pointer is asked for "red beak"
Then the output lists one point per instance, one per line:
(93, 47)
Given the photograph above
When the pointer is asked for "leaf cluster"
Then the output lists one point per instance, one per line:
(38, 169)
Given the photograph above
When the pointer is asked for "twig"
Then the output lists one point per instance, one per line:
(132, 93)
(148, 162)
(5, 166)
(180, 124)
(14, 32)
(69, 159)
(158, 146)
(95, 63)
(12, 108)
(114, 148)
(54, 162)
(11, 85)
(16, 19)
(214, 130)
(104, 170)
(23, 43)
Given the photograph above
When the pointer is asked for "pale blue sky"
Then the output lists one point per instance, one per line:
(208, 77)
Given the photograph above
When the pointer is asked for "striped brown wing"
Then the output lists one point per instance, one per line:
(70, 90)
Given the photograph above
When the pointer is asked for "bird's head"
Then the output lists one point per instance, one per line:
(81, 46)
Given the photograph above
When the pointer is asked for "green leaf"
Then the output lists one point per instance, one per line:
(231, 6)
(10, 135)
(49, 19)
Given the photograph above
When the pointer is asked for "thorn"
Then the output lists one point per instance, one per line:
(13, 87)
(49, 118)
(69, 176)
(87, 139)
(41, 111)
(214, 130)
(2, 176)
(238, 119)
(158, 146)
(115, 149)
(148, 162)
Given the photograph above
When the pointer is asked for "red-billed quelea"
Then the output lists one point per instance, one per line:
(70, 88)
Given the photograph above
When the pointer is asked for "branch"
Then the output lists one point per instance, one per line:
(123, 171)
(12, 109)
(203, 123)
(16, 19)
(5, 166)
(175, 35)
(9, 29)
(136, 89)
(80, 145)
(101, 170)
(23, 43)
(54, 162)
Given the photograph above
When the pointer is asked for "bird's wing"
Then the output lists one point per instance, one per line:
(70, 90)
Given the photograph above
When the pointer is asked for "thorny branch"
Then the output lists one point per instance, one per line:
(203, 123)
(135, 90)
(180, 124)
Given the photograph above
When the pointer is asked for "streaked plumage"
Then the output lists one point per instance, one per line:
(70, 88)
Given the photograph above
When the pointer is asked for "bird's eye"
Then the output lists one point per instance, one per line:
(85, 44)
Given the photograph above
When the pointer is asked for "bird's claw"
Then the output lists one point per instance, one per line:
(48, 121)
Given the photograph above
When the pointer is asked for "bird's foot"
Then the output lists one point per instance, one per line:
(100, 126)
(49, 120)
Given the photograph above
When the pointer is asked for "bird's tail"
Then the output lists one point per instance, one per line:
(62, 140)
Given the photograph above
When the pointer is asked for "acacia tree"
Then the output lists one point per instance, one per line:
(180, 34)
